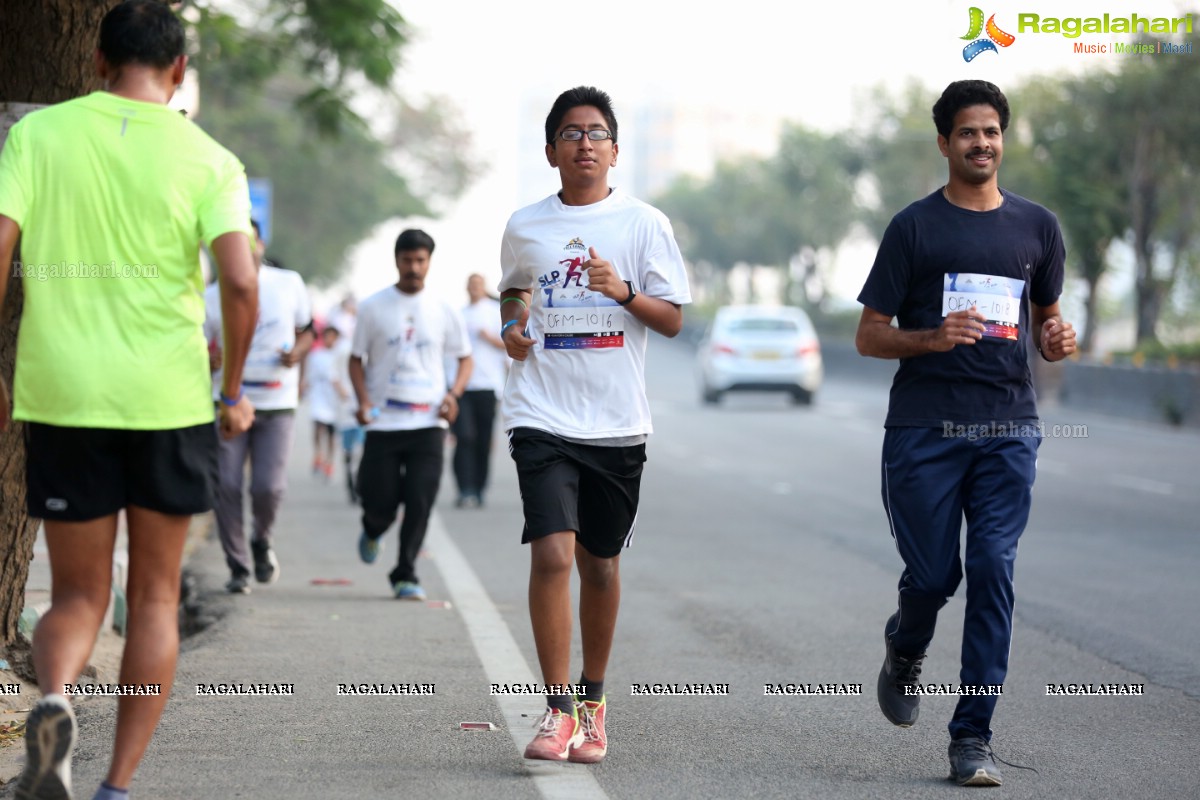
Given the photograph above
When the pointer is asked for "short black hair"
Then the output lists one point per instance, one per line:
(963, 94)
(143, 32)
(580, 96)
(413, 239)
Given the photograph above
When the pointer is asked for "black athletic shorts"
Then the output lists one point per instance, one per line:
(577, 487)
(78, 474)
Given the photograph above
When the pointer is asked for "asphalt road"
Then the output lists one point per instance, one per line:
(761, 556)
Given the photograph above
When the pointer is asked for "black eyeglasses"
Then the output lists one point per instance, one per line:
(576, 135)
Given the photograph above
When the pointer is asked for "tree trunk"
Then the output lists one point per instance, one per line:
(1148, 307)
(1143, 217)
(1087, 343)
(48, 48)
(46, 58)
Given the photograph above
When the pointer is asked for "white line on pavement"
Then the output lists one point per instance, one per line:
(503, 663)
(1142, 484)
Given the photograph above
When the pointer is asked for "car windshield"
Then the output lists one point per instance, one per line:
(763, 325)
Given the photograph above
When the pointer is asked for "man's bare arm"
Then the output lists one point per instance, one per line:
(358, 380)
(1054, 339)
(238, 283)
(877, 338)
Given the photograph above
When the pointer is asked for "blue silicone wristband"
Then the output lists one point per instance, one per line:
(230, 401)
(506, 326)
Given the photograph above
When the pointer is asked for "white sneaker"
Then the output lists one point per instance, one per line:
(49, 740)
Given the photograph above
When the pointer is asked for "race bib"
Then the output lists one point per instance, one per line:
(998, 299)
(576, 318)
(263, 369)
(408, 388)
(585, 327)
(410, 381)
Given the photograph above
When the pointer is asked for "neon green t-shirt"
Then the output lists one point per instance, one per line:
(113, 198)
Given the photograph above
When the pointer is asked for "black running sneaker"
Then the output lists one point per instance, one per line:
(238, 584)
(897, 674)
(972, 762)
(266, 565)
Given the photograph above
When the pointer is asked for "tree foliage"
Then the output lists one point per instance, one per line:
(281, 93)
(1153, 107)
(1114, 154)
(282, 74)
(769, 212)
(1072, 166)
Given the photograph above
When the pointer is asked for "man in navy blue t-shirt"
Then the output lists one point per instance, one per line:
(971, 274)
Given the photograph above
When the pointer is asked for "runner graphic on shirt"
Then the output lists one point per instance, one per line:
(577, 318)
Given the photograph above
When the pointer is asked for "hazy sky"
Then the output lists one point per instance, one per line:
(810, 64)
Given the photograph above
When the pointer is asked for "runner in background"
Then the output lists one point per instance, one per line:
(477, 416)
(282, 338)
(399, 378)
(327, 393)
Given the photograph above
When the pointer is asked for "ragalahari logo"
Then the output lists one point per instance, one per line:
(995, 36)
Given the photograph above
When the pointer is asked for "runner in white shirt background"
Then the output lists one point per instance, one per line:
(587, 272)
(328, 390)
(397, 369)
(282, 338)
(477, 413)
(352, 434)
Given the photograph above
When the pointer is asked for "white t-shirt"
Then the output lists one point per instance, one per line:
(324, 404)
(490, 362)
(283, 306)
(402, 340)
(585, 376)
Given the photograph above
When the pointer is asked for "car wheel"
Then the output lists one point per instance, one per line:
(802, 397)
(711, 397)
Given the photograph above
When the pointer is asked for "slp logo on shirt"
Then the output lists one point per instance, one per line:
(573, 264)
(410, 330)
(574, 270)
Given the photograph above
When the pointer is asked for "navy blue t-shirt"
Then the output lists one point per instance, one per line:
(936, 257)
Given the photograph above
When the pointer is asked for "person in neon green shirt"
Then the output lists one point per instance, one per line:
(112, 195)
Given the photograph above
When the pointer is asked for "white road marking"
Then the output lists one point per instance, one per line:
(1142, 484)
(503, 663)
(1052, 467)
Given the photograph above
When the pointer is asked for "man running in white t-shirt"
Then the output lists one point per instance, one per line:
(399, 378)
(477, 416)
(586, 273)
(282, 337)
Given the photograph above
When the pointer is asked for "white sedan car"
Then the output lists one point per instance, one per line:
(761, 348)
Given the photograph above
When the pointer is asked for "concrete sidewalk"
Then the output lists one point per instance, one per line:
(329, 620)
(103, 665)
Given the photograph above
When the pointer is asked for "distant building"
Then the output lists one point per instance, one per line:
(659, 142)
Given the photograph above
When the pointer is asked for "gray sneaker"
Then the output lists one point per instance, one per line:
(49, 740)
(896, 674)
(972, 762)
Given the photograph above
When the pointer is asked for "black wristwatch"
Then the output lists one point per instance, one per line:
(632, 294)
